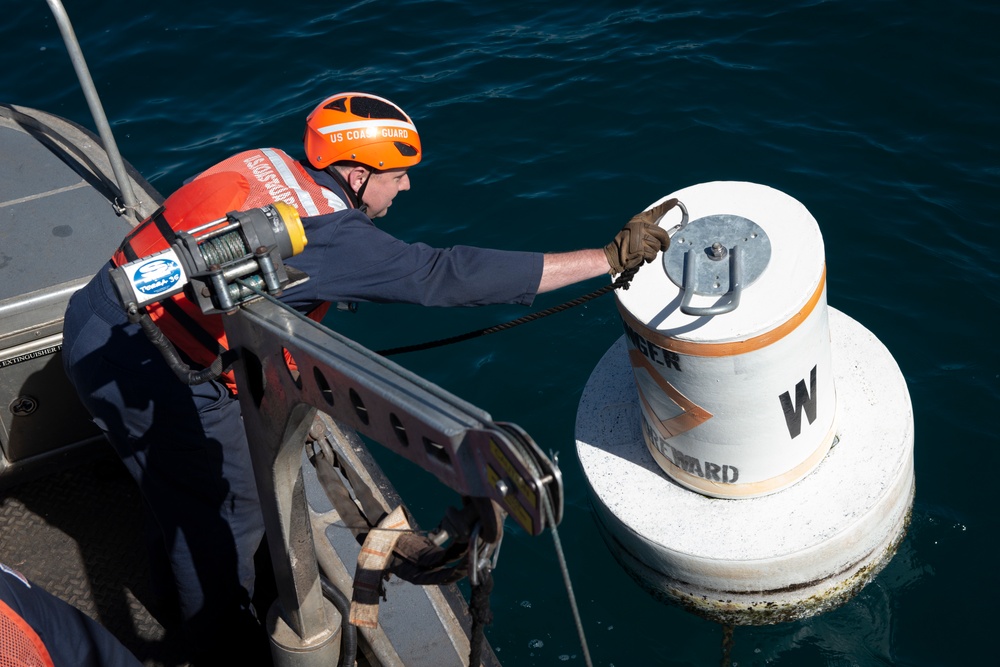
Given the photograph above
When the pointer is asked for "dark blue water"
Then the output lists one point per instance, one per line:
(546, 126)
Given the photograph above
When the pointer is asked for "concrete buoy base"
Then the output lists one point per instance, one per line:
(792, 554)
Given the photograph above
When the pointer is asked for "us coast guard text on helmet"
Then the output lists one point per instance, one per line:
(370, 133)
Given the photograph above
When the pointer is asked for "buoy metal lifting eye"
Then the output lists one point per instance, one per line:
(735, 282)
(696, 261)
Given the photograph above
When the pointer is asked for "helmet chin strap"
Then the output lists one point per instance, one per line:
(362, 206)
(357, 198)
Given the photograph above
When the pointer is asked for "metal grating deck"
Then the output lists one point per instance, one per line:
(78, 534)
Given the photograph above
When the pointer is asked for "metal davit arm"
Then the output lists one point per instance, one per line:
(452, 439)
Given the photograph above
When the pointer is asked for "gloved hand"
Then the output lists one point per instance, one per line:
(639, 240)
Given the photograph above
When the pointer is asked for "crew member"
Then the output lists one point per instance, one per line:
(38, 629)
(185, 445)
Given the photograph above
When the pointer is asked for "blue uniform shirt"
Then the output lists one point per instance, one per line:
(348, 258)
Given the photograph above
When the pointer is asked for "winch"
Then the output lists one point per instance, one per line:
(219, 264)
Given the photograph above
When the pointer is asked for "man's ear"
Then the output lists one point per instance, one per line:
(356, 177)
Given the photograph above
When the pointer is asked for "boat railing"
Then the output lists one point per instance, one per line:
(128, 205)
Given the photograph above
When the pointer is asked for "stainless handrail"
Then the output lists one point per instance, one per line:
(96, 110)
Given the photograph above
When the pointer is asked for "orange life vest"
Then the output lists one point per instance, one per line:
(244, 181)
(20, 645)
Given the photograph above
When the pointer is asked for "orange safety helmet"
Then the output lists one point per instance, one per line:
(361, 128)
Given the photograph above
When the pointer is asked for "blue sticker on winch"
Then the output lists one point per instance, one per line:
(157, 276)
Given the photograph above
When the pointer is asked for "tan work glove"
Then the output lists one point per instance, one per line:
(639, 240)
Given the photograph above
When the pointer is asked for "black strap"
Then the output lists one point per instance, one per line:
(162, 226)
(416, 558)
(204, 338)
(339, 496)
(351, 195)
(359, 519)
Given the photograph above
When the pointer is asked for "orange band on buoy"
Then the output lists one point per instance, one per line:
(726, 349)
(744, 490)
(692, 415)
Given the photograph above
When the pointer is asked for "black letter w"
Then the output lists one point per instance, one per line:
(793, 415)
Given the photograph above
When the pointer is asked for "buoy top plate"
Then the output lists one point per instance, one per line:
(710, 244)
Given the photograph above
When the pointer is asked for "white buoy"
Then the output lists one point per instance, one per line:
(749, 450)
(711, 375)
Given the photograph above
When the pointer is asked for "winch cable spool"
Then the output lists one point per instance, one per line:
(218, 265)
(623, 281)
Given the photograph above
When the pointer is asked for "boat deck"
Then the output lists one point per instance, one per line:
(78, 534)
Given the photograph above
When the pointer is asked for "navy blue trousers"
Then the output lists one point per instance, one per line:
(187, 450)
